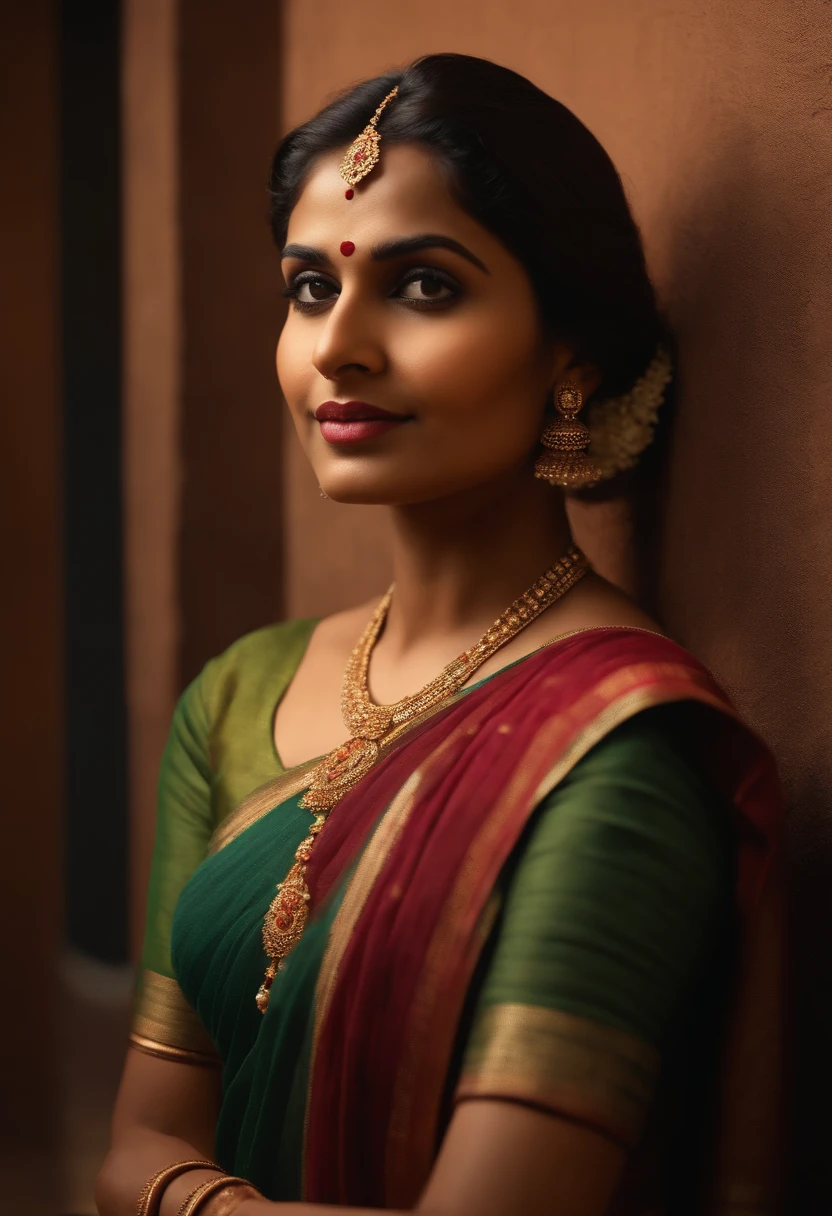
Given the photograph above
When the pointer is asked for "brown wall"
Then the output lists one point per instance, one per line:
(32, 625)
(202, 448)
(719, 117)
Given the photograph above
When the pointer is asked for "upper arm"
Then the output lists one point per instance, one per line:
(164, 1023)
(170, 1097)
(610, 919)
(622, 886)
(499, 1159)
(183, 821)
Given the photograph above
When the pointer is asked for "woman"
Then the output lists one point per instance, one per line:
(472, 891)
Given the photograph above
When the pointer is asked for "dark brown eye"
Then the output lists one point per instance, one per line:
(426, 287)
(311, 291)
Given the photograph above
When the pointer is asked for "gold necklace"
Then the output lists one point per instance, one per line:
(373, 727)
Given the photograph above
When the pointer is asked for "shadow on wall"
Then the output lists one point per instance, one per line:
(747, 558)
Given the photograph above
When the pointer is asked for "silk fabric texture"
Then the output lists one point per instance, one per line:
(407, 883)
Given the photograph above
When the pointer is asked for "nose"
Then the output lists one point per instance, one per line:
(349, 340)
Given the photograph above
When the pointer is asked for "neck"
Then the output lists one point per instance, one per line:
(459, 563)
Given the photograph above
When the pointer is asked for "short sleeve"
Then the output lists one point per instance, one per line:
(164, 1023)
(611, 917)
(218, 750)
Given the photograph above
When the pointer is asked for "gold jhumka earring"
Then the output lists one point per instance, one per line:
(564, 461)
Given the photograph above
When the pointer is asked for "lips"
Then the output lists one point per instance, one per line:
(345, 422)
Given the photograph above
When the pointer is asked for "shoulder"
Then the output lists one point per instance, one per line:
(270, 642)
(661, 738)
(596, 603)
(259, 657)
(644, 792)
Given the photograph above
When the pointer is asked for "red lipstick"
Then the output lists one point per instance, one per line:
(353, 421)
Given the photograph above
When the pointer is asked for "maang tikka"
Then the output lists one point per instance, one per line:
(564, 461)
(362, 154)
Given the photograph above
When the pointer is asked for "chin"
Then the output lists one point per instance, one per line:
(360, 479)
(363, 493)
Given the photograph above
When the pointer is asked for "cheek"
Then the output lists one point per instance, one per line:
(479, 361)
(294, 364)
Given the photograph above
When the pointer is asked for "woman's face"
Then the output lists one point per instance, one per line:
(412, 359)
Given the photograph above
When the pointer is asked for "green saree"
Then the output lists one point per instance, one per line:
(603, 960)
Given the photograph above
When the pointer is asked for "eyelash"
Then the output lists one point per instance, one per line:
(411, 276)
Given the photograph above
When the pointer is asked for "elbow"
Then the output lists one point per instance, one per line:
(105, 1187)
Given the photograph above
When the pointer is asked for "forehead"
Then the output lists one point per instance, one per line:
(405, 194)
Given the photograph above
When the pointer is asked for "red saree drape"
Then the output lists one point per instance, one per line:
(458, 791)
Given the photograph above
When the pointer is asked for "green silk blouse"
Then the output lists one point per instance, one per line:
(613, 900)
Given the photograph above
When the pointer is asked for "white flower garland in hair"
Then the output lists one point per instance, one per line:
(621, 428)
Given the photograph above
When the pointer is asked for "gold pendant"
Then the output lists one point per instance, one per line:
(339, 772)
(287, 915)
(361, 156)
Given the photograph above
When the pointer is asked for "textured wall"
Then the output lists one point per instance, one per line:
(31, 676)
(720, 120)
(203, 525)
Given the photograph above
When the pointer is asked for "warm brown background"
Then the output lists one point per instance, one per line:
(720, 119)
(31, 727)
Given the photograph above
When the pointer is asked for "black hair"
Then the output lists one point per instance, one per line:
(530, 172)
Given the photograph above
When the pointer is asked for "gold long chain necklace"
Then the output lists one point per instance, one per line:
(373, 727)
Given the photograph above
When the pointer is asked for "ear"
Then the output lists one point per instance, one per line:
(566, 367)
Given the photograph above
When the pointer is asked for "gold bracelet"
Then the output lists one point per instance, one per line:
(151, 1196)
(197, 1199)
(225, 1202)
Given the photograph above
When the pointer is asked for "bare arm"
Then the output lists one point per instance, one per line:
(498, 1159)
(165, 1112)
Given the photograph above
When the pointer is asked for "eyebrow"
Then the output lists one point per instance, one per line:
(392, 249)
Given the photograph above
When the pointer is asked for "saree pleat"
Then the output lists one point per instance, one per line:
(404, 972)
(219, 960)
(337, 1094)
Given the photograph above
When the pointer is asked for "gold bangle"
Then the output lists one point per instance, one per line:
(197, 1199)
(225, 1202)
(151, 1196)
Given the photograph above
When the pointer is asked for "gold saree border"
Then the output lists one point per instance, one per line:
(276, 790)
(625, 702)
(411, 1136)
(179, 1055)
(367, 871)
(369, 866)
(164, 1024)
(270, 795)
(416, 1139)
(565, 1064)
(258, 803)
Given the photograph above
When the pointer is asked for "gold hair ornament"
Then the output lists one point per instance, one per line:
(362, 154)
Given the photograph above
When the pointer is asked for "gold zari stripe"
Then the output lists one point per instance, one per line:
(270, 795)
(559, 1062)
(164, 1024)
(258, 803)
(164, 1052)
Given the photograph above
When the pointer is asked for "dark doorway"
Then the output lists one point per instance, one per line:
(97, 820)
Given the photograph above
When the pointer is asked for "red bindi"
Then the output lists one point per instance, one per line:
(347, 248)
(349, 194)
